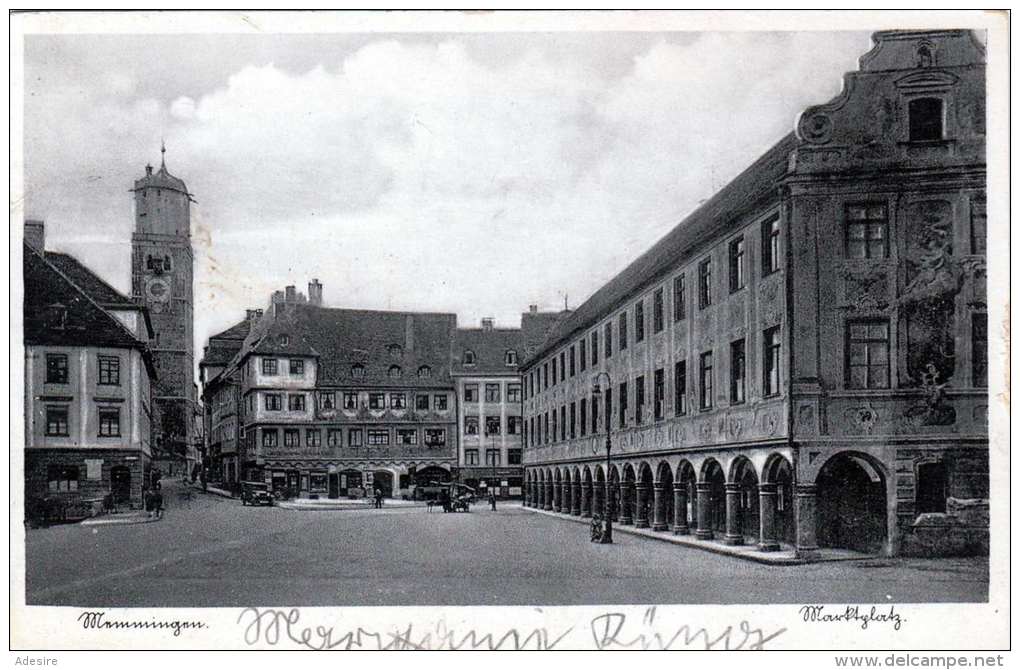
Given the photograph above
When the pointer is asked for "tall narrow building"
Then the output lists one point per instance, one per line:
(161, 280)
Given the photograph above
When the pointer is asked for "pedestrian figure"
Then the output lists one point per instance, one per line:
(596, 527)
(492, 499)
(147, 497)
(444, 497)
(378, 498)
(157, 500)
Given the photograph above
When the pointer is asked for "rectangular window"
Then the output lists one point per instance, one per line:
(377, 401)
(407, 436)
(270, 438)
(62, 478)
(441, 402)
(513, 393)
(471, 457)
(932, 488)
(594, 348)
(705, 283)
(979, 348)
(398, 401)
(493, 425)
(680, 388)
(545, 428)
(470, 392)
(554, 370)
(573, 420)
(555, 419)
(274, 402)
(639, 321)
(706, 380)
(333, 437)
(56, 368)
(572, 368)
(925, 116)
(563, 422)
(679, 298)
(770, 357)
(657, 311)
(313, 437)
(622, 327)
(296, 402)
(659, 399)
(583, 354)
(738, 372)
(563, 366)
(56, 421)
(269, 366)
(327, 400)
(435, 437)
(737, 265)
(639, 400)
(583, 420)
(492, 457)
(868, 354)
(291, 437)
(867, 229)
(471, 425)
(513, 425)
(492, 393)
(109, 370)
(978, 226)
(623, 404)
(514, 456)
(297, 366)
(595, 409)
(608, 337)
(350, 401)
(545, 375)
(355, 437)
(770, 246)
(421, 402)
(378, 438)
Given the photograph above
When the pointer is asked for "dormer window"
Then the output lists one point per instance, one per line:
(925, 119)
(395, 371)
(425, 372)
(510, 358)
(358, 370)
(395, 351)
(283, 340)
(469, 357)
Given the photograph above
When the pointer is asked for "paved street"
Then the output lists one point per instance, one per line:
(211, 551)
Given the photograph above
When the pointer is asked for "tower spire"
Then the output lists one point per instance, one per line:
(162, 150)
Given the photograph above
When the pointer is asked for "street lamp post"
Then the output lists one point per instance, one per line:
(596, 391)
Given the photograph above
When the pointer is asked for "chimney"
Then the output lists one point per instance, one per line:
(253, 314)
(533, 309)
(291, 295)
(315, 293)
(487, 323)
(35, 234)
(409, 333)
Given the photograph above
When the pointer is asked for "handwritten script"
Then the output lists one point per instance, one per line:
(852, 614)
(612, 630)
(98, 621)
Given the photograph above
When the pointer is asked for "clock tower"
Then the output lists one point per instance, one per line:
(161, 280)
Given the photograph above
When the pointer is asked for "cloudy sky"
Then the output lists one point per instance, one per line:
(471, 173)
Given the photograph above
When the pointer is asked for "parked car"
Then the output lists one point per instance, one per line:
(256, 493)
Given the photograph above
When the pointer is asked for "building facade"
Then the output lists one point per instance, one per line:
(88, 374)
(162, 281)
(801, 362)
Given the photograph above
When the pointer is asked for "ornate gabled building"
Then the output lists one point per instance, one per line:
(802, 361)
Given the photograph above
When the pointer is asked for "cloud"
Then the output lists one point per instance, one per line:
(183, 108)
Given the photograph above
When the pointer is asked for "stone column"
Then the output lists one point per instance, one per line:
(734, 534)
(586, 501)
(807, 540)
(565, 497)
(575, 498)
(659, 493)
(598, 496)
(557, 496)
(767, 495)
(615, 494)
(548, 495)
(704, 531)
(626, 513)
(641, 517)
(680, 509)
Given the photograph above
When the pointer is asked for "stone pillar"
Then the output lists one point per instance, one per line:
(680, 509)
(598, 496)
(626, 513)
(704, 531)
(615, 497)
(807, 541)
(586, 501)
(557, 496)
(641, 517)
(548, 495)
(734, 534)
(767, 495)
(659, 493)
(565, 497)
(575, 498)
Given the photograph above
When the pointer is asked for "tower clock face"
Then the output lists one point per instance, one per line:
(157, 292)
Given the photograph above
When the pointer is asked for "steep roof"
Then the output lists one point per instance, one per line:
(489, 347)
(238, 331)
(752, 187)
(374, 340)
(161, 179)
(59, 312)
(88, 281)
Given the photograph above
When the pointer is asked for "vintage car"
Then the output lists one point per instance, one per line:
(256, 493)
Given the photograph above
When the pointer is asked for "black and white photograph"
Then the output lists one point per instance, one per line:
(510, 330)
